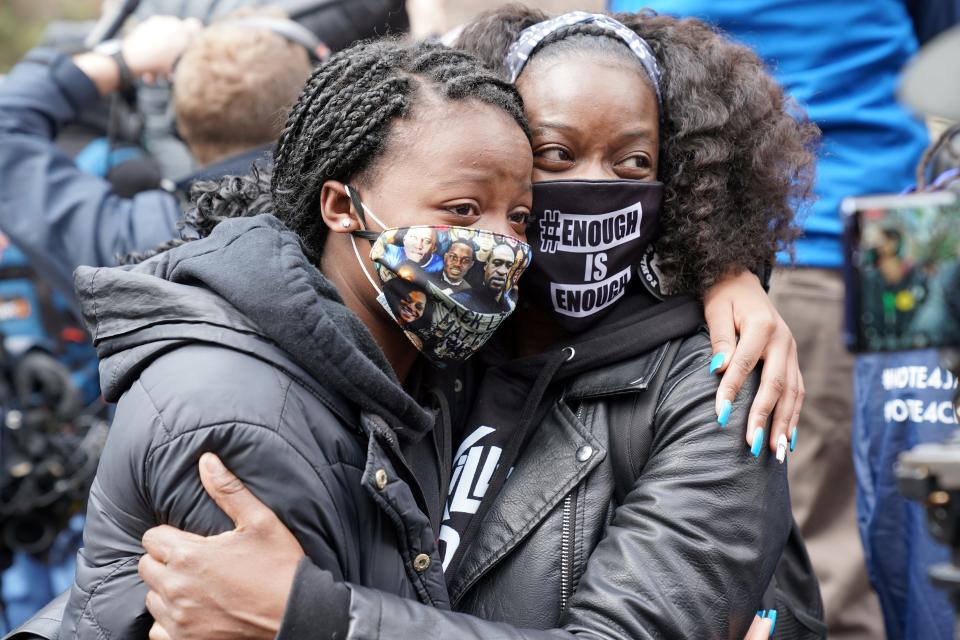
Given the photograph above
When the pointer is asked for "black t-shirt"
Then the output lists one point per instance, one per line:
(485, 434)
(491, 424)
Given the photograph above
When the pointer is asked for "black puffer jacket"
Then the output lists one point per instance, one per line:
(236, 344)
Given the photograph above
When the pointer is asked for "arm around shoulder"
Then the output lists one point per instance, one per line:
(697, 540)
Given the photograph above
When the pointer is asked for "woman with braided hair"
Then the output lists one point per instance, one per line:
(284, 343)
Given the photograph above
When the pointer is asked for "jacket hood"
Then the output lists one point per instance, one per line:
(249, 287)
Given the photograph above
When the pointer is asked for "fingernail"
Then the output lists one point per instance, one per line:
(781, 448)
(725, 410)
(717, 361)
(757, 442)
(772, 617)
(793, 439)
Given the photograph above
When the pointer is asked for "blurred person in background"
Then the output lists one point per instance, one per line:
(840, 61)
(337, 23)
(234, 86)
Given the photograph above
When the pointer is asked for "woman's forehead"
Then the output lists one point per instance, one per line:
(578, 93)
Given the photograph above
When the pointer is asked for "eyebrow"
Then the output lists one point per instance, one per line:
(474, 177)
(641, 134)
(552, 125)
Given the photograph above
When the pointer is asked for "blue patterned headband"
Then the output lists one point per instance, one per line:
(531, 37)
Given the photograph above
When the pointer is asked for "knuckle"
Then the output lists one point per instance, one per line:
(722, 340)
(260, 521)
(778, 384)
(231, 484)
(728, 390)
(178, 614)
(784, 420)
(178, 556)
(766, 326)
(744, 365)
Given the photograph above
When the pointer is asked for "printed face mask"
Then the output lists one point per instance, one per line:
(587, 238)
(448, 288)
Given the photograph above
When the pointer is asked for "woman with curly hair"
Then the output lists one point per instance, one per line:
(592, 492)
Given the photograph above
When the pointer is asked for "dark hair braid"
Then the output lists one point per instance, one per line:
(339, 126)
(735, 155)
(214, 202)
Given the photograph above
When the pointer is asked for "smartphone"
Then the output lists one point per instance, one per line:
(902, 269)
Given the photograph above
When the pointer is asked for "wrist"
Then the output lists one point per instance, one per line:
(102, 70)
(125, 85)
(316, 606)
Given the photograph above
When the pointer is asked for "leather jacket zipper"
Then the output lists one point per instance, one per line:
(564, 550)
(567, 535)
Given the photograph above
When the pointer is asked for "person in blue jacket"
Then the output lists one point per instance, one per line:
(62, 217)
(58, 212)
(840, 61)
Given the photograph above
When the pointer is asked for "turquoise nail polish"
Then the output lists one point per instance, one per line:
(717, 361)
(761, 614)
(757, 443)
(725, 410)
(772, 617)
(793, 439)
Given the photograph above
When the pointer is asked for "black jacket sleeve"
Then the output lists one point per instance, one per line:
(688, 555)
(148, 476)
(317, 607)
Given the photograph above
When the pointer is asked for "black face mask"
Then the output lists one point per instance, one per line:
(587, 238)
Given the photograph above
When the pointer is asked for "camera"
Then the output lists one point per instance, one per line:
(46, 467)
(930, 474)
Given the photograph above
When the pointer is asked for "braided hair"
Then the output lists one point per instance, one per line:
(735, 155)
(339, 128)
(340, 124)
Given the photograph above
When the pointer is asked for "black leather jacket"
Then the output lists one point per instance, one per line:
(688, 554)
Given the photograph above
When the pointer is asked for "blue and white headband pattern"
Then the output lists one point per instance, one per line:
(532, 36)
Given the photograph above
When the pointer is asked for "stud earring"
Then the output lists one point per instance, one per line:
(345, 223)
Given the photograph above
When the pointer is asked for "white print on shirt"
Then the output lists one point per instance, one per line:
(473, 467)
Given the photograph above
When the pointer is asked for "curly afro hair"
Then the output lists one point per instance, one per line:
(736, 157)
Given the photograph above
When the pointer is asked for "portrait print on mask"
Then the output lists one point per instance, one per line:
(587, 239)
(447, 301)
(458, 260)
(417, 245)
